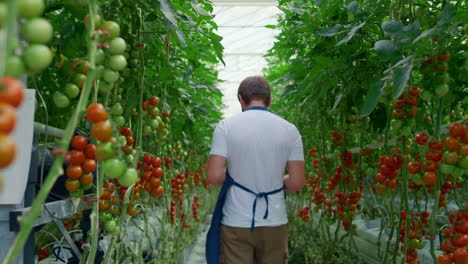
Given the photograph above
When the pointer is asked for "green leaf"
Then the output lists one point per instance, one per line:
(331, 31)
(392, 27)
(447, 15)
(352, 8)
(271, 26)
(168, 12)
(387, 50)
(401, 75)
(337, 101)
(372, 98)
(351, 34)
(425, 34)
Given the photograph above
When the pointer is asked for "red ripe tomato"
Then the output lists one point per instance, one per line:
(430, 178)
(74, 172)
(76, 157)
(104, 205)
(411, 100)
(430, 165)
(166, 114)
(156, 162)
(89, 165)
(380, 178)
(421, 139)
(158, 172)
(131, 210)
(147, 159)
(145, 105)
(412, 110)
(90, 151)
(96, 113)
(399, 104)
(460, 256)
(463, 151)
(414, 167)
(445, 246)
(7, 150)
(102, 131)
(414, 91)
(154, 100)
(391, 183)
(434, 155)
(451, 143)
(462, 227)
(460, 240)
(435, 144)
(87, 179)
(12, 92)
(79, 142)
(125, 131)
(155, 182)
(7, 118)
(72, 185)
(445, 259)
(457, 130)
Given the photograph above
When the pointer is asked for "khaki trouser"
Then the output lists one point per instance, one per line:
(265, 245)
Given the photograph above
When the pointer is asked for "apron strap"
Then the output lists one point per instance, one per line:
(257, 196)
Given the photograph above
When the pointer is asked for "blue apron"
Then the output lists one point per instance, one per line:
(213, 239)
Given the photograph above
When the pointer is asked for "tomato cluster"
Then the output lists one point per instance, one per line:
(11, 97)
(335, 179)
(387, 177)
(195, 205)
(82, 164)
(405, 107)
(435, 75)
(129, 141)
(455, 156)
(337, 138)
(455, 247)
(346, 206)
(153, 116)
(177, 186)
(151, 176)
(417, 230)
(304, 213)
(37, 32)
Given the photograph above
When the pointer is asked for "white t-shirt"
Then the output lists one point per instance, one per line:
(257, 145)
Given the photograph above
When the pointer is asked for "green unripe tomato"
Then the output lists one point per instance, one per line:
(426, 95)
(110, 226)
(116, 231)
(121, 141)
(117, 46)
(104, 151)
(153, 123)
(30, 8)
(117, 62)
(72, 91)
(114, 168)
(147, 130)
(128, 178)
(112, 28)
(119, 121)
(441, 90)
(105, 87)
(100, 56)
(396, 124)
(38, 30)
(37, 57)
(60, 100)
(117, 109)
(110, 76)
(129, 158)
(14, 66)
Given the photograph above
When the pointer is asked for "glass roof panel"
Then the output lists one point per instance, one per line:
(245, 40)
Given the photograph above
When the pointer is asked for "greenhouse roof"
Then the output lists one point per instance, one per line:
(246, 40)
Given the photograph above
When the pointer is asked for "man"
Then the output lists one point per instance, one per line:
(249, 223)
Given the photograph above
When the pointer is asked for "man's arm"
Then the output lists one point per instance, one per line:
(216, 169)
(295, 180)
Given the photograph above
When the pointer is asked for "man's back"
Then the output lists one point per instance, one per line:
(257, 145)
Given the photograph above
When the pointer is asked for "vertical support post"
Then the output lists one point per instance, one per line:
(29, 196)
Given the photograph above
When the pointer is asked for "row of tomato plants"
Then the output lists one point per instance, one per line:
(393, 144)
(142, 152)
